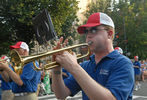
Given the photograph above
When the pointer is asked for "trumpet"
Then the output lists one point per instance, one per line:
(18, 60)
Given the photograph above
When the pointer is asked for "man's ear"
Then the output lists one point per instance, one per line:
(25, 52)
(110, 34)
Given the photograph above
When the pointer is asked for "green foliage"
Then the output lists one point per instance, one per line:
(16, 19)
(130, 18)
(97, 6)
(70, 25)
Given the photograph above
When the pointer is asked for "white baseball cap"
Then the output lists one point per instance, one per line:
(96, 19)
(136, 57)
(5, 58)
(119, 50)
(20, 44)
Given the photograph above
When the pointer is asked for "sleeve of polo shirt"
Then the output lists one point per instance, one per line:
(28, 72)
(0, 77)
(11, 67)
(121, 80)
(72, 85)
(139, 64)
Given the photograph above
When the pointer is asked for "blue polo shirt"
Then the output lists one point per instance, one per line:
(6, 85)
(114, 72)
(67, 73)
(0, 86)
(137, 70)
(30, 78)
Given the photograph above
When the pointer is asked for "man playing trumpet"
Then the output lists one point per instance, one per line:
(108, 75)
(24, 85)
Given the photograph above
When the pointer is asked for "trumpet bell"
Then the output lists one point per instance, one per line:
(15, 58)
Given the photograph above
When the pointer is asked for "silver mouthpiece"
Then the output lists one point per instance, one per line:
(90, 42)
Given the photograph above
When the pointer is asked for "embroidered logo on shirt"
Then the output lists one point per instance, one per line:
(104, 72)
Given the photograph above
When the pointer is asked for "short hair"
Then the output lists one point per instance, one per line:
(110, 28)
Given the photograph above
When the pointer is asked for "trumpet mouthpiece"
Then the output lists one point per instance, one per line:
(90, 42)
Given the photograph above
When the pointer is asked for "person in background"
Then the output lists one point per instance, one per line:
(146, 69)
(143, 69)
(24, 85)
(119, 50)
(145, 63)
(0, 87)
(46, 82)
(6, 87)
(107, 75)
(137, 70)
(41, 90)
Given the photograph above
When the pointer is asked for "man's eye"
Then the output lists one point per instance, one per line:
(86, 31)
(93, 31)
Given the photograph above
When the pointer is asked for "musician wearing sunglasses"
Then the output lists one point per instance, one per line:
(107, 75)
(26, 83)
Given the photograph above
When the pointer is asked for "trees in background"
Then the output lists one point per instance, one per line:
(130, 18)
(16, 19)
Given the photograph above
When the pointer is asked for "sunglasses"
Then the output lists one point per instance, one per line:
(93, 30)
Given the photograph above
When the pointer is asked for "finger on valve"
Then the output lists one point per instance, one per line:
(58, 46)
(65, 43)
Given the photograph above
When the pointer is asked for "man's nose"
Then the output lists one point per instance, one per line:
(89, 35)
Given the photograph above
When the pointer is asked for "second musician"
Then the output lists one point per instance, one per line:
(24, 85)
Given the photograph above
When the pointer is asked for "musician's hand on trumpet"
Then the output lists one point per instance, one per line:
(3, 65)
(59, 44)
(67, 60)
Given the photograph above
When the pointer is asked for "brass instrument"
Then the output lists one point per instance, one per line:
(17, 69)
(18, 60)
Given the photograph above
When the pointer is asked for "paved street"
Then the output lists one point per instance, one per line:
(52, 97)
(141, 94)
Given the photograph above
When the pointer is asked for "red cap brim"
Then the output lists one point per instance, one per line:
(14, 47)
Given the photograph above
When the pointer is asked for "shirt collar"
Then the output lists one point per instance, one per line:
(111, 55)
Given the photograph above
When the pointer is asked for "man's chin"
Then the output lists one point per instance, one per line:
(92, 49)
